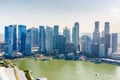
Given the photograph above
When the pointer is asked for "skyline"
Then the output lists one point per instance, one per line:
(34, 13)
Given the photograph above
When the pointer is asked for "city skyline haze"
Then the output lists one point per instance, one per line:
(34, 13)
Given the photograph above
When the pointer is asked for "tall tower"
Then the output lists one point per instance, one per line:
(8, 41)
(49, 39)
(107, 38)
(56, 30)
(86, 44)
(14, 30)
(96, 33)
(114, 42)
(42, 47)
(55, 37)
(96, 40)
(66, 33)
(107, 28)
(21, 38)
(28, 43)
(34, 37)
(75, 34)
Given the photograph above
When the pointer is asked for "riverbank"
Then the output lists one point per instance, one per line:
(82, 58)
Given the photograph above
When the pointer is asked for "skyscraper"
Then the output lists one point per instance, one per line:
(75, 34)
(107, 43)
(96, 40)
(107, 37)
(28, 43)
(101, 50)
(114, 42)
(14, 29)
(21, 38)
(42, 46)
(96, 33)
(55, 37)
(86, 44)
(107, 28)
(61, 44)
(94, 49)
(56, 30)
(49, 39)
(66, 33)
(9, 40)
(34, 37)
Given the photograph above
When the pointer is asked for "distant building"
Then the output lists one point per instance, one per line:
(28, 43)
(42, 46)
(75, 34)
(61, 44)
(114, 42)
(95, 49)
(107, 37)
(56, 30)
(34, 37)
(66, 33)
(107, 43)
(49, 39)
(14, 29)
(2, 47)
(101, 50)
(96, 33)
(55, 37)
(9, 40)
(107, 28)
(70, 47)
(115, 55)
(21, 38)
(86, 44)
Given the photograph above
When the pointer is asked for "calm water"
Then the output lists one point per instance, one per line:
(70, 70)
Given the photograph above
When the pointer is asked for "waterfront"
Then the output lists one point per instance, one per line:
(70, 70)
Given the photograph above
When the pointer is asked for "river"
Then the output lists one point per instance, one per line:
(70, 70)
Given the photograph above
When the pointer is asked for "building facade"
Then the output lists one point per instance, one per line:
(42, 45)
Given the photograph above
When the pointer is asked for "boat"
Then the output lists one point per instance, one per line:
(41, 79)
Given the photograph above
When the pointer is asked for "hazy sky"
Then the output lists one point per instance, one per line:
(62, 12)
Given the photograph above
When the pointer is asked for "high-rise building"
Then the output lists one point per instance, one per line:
(49, 39)
(107, 37)
(8, 41)
(101, 50)
(2, 47)
(66, 33)
(61, 43)
(96, 40)
(107, 28)
(21, 38)
(96, 33)
(70, 47)
(28, 43)
(95, 49)
(14, 30)
(86, 44)
(114, 42)
(55, 37)
(56, 30)
(75, 34)
(34, 37)
(107, 43)
(42, 46)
